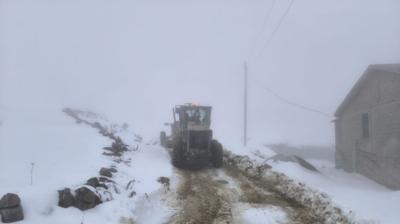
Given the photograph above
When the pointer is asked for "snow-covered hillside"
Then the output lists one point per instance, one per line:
(56, 152)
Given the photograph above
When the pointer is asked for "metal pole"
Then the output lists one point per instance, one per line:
(245, 105)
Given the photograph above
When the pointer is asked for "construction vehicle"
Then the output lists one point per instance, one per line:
(191, 138)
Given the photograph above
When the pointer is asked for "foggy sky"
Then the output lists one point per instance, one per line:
(134, 60)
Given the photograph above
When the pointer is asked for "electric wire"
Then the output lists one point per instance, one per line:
(267, 17)
(276, 29)
(266, 44)
(292, 103)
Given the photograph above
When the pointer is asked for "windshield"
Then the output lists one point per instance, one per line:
(200, 115)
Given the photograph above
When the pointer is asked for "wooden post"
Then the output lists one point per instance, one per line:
(245, 105)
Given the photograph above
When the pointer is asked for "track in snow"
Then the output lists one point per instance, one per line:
(225, 196)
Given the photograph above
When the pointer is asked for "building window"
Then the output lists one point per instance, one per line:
(365, 125)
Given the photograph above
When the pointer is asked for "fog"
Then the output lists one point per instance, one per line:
(135, 60)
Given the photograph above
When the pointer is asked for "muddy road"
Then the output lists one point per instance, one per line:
(228, 196)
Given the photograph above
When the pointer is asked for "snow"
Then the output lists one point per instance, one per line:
(257, 153)
(152, 210)
(353, 192)
(150, 163)
(66, 154)
(366, 200)
(56, 146)
(264, 215)
(63, 154)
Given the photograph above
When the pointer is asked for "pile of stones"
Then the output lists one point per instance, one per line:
(95, 191)
(117, 148)
(11, 208)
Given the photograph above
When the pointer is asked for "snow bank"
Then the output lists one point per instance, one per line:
(317, 202)
(364, 200)
(368, 201)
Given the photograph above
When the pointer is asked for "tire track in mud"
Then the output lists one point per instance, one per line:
(259, 194)
(204, 200)
(213, 197)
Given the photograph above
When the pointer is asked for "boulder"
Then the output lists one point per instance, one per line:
(86, 198)
(106, 180)
(11, 209)
(119, 146)
(96, 183)
(107, 172)
(113, 170)
(9, 215)
(65, 198)
(10, 201)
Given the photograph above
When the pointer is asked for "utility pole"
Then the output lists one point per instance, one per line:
(245, 105)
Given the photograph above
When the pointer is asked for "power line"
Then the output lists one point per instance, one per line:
(265, 22)
(276, 28)
(292, 103)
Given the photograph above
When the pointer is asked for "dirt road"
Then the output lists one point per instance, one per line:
(240, 193)
(225, 196)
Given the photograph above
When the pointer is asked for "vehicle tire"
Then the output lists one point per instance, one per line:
(163, 139)
(216, 154)
(177, 155)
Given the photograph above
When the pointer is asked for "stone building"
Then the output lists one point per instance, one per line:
(368, 126)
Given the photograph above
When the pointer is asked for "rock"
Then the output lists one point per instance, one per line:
(132, 194)
(113, 170)
(9, 215)
(11, 209)
(106, 180)
(118, 145)
(107, 172)
(86, 198)
(306, 164)
(164, 181)
(96, 183)
(130, 185)
(65, 198)
(294, 158)
(138, 138)
(9, 201)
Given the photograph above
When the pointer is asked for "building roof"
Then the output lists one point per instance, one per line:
(389, 68)
(393, 68)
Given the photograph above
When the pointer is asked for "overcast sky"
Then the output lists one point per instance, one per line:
(134, 60)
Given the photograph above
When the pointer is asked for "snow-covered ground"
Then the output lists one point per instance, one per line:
(353, 192)
(264, 215)
(368, 201)
(54, 152)
(45, 151)
(60, 153)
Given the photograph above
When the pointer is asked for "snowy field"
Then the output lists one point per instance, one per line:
(65, 154)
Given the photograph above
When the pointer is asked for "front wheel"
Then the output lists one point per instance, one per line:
(177, 155)
(216, 154)
(163, 139)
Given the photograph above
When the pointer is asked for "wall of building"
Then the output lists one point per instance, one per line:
(377, 157)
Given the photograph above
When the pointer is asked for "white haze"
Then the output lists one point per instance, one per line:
(134, 60)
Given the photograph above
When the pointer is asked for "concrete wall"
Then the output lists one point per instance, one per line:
(377, 157)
